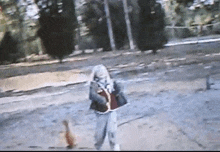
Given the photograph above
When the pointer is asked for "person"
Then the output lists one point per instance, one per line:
(106, 97)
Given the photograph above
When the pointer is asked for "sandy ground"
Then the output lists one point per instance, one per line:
(170, 107)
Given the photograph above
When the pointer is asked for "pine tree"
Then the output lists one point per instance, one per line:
(58, 23)
(151, 35)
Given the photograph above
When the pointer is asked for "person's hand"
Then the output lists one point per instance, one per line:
(118, 87)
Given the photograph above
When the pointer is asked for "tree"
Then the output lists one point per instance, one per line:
(151, 35)
(20, 17)
(14, 15)
(129, 32)
(78, 4)
(109, 23)
(94, 17)
(8, 48)
(58, 23)
(146, 27)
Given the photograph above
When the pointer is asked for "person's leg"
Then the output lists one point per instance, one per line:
(112, 131)
(101, 128)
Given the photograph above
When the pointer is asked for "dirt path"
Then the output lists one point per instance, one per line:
(167, 120)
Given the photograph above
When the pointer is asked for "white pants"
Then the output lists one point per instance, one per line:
(106, 124)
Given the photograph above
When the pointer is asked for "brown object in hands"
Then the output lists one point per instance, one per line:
(70, 138)
(112, 98)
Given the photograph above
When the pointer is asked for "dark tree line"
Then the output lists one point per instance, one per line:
(147, 26)
(57, 28)
(58, 23)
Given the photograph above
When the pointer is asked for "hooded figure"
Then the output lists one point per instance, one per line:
(102, 77)
(106, 96)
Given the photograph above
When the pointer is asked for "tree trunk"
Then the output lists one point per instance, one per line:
(40, 49)
(20, 12)
(110, 30)
(128, 23)
(78, 31)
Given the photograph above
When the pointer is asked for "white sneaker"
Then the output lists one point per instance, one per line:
(117, 147)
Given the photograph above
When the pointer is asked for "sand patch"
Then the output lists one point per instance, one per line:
(38, 80)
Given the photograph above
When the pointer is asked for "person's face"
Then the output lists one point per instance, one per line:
(101, 79)
(101, 75)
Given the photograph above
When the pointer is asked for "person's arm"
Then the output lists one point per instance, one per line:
(118, 88)
(94, 96)
(119, 93)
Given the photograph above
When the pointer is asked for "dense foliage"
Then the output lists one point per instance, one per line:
(57, 25)
(94, 17)
(8, 48)
(147, 27)
(151, 35)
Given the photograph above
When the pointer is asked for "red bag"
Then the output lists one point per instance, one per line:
(113, 102)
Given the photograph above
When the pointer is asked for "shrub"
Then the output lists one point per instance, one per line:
(8, 48)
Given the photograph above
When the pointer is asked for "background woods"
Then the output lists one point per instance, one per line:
(55, 27)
